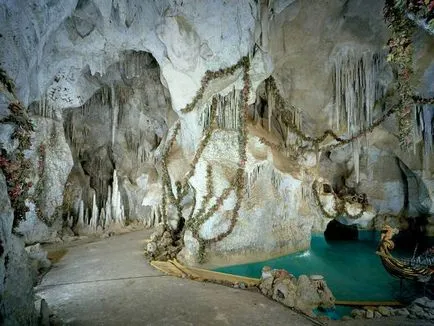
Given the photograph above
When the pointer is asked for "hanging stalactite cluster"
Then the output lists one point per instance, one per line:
(312, 142)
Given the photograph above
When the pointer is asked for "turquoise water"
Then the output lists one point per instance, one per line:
(351, 268)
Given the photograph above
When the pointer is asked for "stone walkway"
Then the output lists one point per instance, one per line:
(109, 283)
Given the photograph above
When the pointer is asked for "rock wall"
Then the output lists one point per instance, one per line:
(16, 281)
(133, 84)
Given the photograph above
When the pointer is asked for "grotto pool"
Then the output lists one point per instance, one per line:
(351, 268)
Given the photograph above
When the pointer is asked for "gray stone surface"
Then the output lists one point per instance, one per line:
(16, 281)
(109, 283)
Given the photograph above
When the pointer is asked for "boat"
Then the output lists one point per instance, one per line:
(420, 268)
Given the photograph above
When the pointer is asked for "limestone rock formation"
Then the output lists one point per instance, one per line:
(304, 293)
(16, 283)
(220, 120)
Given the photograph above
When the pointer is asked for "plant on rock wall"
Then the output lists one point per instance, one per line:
(421, 9)
(15, 166)
(40, 184)
(6, 81)
(401, 55)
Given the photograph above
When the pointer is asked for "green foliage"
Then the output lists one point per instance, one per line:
(7, 82)
(422, 9)
(16, 168)
(401, 56)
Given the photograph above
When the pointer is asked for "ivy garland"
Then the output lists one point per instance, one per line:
(339, 205)
(16, 168)
(287, 118)
(401, 54)
(42, 154)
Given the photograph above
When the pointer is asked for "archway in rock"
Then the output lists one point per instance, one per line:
(337, 231)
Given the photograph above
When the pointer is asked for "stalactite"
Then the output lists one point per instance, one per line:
(357, 88)
(356, 158)
(270, 107)
(252, 176)
(45, 107)
(423, 131)
(134, 64)
(276, 179)
(227, 111)
(317, 158)
(115, 111)
(205, 118)
(264, 170)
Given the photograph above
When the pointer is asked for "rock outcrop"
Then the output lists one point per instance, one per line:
(16, 281)
(304, 293)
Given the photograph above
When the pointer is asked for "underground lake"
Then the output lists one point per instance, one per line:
(352, 269)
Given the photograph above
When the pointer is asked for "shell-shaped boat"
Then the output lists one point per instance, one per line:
(420, 268)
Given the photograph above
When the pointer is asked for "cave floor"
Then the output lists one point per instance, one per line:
(108, 282)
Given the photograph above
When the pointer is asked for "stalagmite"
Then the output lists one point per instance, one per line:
(117, 209)
(80, 221)
(101, 220)
(108, 209)
(70, 220)
(271, 103)
(93, 223)
(86, 217)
